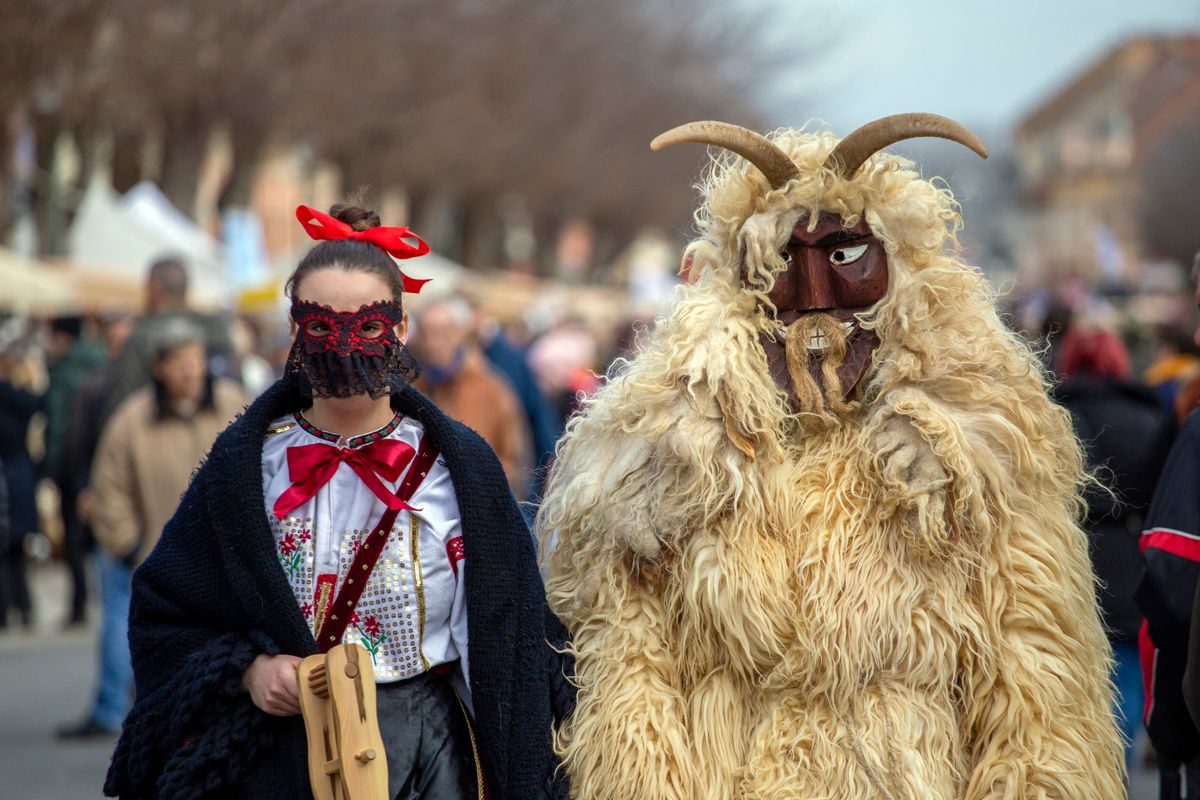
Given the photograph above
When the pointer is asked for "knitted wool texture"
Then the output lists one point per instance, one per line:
(211, 596)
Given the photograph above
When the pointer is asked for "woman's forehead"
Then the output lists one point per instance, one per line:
(342, 290)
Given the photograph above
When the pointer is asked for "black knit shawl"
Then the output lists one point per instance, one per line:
(212, 596)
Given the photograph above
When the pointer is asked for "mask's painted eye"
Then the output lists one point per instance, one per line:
(786, 257)
(847, 255)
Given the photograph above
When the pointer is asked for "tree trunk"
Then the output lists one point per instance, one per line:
(546, 229)
(247, 156)
(87, 142)
(480, 234)
(607, 246)
(126, 160)
(47, 197)
(185, 140)
(8, 186)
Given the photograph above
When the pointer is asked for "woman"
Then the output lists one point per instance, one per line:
(343, 469)
(17, 407)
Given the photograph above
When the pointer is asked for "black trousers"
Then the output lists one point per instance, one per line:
(77, 543)
(427, 738)
(14, 588)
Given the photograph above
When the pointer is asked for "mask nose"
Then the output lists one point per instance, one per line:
(815, 287)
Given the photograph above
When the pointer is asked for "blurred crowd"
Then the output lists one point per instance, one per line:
(104, 418)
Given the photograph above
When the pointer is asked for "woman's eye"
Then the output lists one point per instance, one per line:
(847, 255)
(317, 329)
(372, 329)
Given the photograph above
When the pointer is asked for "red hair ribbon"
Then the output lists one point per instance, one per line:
(322, 226)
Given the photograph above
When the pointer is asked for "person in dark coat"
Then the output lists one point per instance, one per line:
(545, 424)
(73, 357)
(1126, 435)
(3, 509)
(1169, 639)
(235, 592)
(17, 407)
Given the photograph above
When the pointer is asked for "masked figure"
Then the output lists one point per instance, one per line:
(819, 539)
(345, 508)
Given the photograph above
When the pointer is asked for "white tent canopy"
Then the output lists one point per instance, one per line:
(119, 235)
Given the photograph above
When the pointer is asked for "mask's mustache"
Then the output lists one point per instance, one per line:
(816, 345)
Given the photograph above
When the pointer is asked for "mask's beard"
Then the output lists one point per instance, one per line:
(816, 345)
(329, 374)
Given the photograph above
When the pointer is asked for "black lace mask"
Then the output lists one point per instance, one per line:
(348, 353)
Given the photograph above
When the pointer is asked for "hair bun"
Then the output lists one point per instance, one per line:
(357, 218)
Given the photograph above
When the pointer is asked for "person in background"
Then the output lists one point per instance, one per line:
(1167, 595)
(18, 404)
(71, 356)
(1055, 326)
(1188, 395)
(4, 524)
(166, 302)
(545, 425)
(253, 371)
(1175, 366)
(564, 359)
(1126, 435)
(84, 426)
(458, 379)
(149, 449)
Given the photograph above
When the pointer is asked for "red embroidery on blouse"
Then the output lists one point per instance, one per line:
(455, 553)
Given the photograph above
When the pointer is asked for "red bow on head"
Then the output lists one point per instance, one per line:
(322, 226)
(311, 466)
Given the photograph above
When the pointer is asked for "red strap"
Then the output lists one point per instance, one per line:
(338, 616)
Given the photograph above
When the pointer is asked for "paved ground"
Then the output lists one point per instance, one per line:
(47, 679)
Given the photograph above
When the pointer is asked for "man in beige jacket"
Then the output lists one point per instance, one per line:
(149, 449)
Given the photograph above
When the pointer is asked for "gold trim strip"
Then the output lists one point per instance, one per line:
(323, 597)
(414, 538)
(479, 785)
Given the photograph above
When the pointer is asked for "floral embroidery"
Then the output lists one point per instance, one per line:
(290, 553)
(369, 634)
(307, 611)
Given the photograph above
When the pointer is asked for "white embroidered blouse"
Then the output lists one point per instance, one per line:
(412, 614)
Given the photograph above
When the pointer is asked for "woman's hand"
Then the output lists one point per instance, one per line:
(271, 681)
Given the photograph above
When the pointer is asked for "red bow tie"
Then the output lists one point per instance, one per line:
(311, 466)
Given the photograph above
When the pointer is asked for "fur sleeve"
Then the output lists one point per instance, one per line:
(1037, 692)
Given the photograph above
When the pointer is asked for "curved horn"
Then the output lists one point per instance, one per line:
(869, 139)
(754, 147)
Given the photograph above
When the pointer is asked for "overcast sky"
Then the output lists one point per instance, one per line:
(983, 62)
